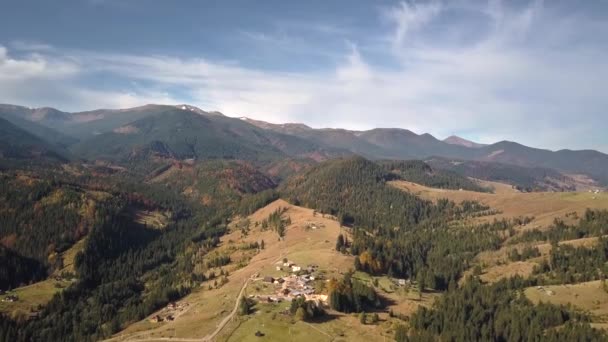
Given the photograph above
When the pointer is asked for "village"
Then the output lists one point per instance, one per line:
(300, 283)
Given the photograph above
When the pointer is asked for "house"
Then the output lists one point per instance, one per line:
(296, 268)
(401, 282)
(279, 268)
(156, 319)
(268, 279)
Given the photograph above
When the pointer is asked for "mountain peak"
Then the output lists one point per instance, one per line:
(456, 140)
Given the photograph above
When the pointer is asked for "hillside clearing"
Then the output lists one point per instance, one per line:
(32, 296)
(589, 296)
(543, 206)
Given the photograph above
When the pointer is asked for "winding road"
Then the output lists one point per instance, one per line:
(227, 319)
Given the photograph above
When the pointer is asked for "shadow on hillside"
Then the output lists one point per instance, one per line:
(328, 317)
(386, 302)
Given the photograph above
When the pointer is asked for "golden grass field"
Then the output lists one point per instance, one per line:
(41, 292)
(589, 297)
(31, 296)
(544, 206)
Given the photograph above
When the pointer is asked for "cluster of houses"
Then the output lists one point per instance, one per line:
(169, 312)
(298, 284)
(10, 299)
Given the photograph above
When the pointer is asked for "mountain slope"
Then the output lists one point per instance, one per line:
(419, 172)
(355, 190)
(88, 124)
(108, 134)
(173, 133)
(43, 132)
(394, 143)
(405, 144)
(523, 178)
(182, 134)
(329, 137)
(209, 181)
(16, 143)
(49, 117)
(592, 163)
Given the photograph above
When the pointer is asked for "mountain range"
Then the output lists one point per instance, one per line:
(187, 132)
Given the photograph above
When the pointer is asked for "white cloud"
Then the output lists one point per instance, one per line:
(507, 84)
(409, 17)
(33, 66)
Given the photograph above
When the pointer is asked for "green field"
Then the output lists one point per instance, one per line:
(31, 296)
(276, 326)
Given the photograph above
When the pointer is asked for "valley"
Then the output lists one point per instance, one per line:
(169, 223)
(297, 171)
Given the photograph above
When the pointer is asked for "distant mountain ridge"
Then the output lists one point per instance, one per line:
(396, 143)
(122, 132)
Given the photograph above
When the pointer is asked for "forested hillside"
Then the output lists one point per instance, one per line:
(173, 133)
(45, 133)
(354, 190)
(419, 172)
(523, 178)
(41, 218)
(212, 181)
(477, 312)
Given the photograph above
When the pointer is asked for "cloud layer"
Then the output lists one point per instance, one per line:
(485, 71)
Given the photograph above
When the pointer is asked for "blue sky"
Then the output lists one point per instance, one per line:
(529, 71)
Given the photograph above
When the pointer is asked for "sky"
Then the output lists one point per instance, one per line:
(534, 72)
